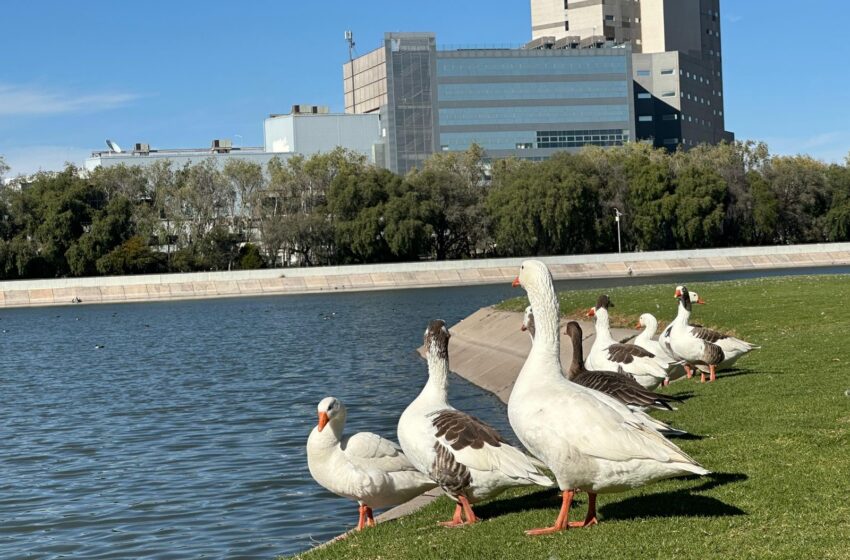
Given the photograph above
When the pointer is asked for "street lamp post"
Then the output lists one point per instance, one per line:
(617, 215)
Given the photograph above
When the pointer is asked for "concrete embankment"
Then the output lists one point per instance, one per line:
(116, 289)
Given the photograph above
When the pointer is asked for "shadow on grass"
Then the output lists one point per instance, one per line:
(687, 437)
(544, 499)
(684, 396)
(678, 503)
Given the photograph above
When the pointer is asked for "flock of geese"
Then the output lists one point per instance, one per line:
(585, 426)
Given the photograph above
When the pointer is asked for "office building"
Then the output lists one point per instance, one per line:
(306, 130)
(677, 60)
(532, 103)
(397, 81)
(526, 103)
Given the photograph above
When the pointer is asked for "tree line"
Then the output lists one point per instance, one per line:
(336, 208)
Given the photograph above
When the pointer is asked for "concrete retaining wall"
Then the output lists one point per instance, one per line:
(113, 289)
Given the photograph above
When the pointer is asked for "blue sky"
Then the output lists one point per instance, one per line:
(178, 74)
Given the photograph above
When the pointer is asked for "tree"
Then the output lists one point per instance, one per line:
(111, 227)
(246, 179)
(698, 208)
(133, 256)
(800, 187)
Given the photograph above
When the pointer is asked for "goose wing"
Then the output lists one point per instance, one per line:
(622, 387)
(479, 446)
(706, 334)
(597, 428)
(366, 449)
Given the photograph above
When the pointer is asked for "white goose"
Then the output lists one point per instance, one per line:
(700, 346)
(364, 467)
(607, 354)
(466, 457)
(618, 385)
(649, 324)
(590, 442)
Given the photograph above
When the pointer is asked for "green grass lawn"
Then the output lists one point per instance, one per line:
(774, 432)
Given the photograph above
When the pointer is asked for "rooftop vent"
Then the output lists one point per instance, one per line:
(222, 146)
(540, 43)
(309, 110)
(142, 148)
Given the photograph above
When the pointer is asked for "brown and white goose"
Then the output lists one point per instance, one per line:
(467, 458)
(364, 467)
(607, 354)
(619, 385)
(701, 346)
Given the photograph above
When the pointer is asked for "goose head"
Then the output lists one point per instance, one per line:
(437, 339)
(648, 321)
(331, 410)
(687, 298)
(528, 322)
(602, 302)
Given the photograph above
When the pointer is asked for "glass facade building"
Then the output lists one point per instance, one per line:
(530, 103)
(526, 103)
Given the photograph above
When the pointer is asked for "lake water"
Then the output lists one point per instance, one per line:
(183, 436)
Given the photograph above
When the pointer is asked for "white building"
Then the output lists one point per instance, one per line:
(307, 130)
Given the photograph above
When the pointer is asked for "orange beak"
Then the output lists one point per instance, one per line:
(591, 312)
(515, 283)
(700, 301)
(639, 325)
(323, 420)
(678, 294)
(523, 328)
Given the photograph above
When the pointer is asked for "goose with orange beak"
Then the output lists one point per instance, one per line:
(364, 467)
(700, 346)
(607, 354)
(588, 440)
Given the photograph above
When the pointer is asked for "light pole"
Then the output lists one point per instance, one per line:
(617, 215)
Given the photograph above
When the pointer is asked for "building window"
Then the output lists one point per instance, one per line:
(671, 117)
(444, 147)
(643, 72)
(671, 141)
(644, 95)
(566, 4)
(609, 18)
(668, 94)
(667, 72)
(524, 146)
(645, 118)
(566, 25)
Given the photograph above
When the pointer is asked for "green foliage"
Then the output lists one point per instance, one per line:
(336, 208)
(133, 256)
(250, 257)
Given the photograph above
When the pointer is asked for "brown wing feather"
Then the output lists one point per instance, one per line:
(462, 430)
(622, 387)
(453, 477)
(708, 335)
(626, 353)
(712, 354)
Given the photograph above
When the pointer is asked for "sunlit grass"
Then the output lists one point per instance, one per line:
(774, 432)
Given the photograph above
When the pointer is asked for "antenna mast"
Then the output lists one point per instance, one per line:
(349, 37)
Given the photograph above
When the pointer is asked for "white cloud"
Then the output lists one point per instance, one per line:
(731, 18)
(20, 101)
(24, 161)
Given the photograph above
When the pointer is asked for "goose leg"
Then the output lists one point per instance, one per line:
(702, 376)
(370, 517)
(467, 511)
(561, 522)
(456, 518)
(362, 522)
(713, 372)
(688, 371)
(590, 519)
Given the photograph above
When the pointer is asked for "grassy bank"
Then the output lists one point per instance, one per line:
(775, 432)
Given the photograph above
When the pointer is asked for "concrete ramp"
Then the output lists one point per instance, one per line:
(489, 349)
